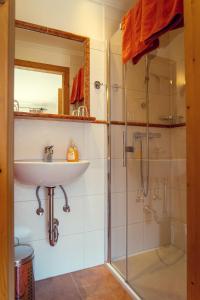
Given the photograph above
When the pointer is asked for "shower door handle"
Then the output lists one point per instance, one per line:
(129, 149)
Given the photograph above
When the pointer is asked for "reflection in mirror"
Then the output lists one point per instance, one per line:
(51, 72)
(41, 88)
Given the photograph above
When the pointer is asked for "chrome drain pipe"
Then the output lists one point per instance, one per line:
(53, 222)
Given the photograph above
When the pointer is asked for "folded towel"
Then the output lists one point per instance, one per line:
(132, 46)
(160, 16)
(145, 23)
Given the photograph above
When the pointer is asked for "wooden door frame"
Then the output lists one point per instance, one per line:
(192, 61)
(192, 51)
(6, 149)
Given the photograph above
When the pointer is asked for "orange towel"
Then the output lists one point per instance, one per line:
(81, 85)
(159, 16)
(73, 97)
(77, 94)
(132, 46)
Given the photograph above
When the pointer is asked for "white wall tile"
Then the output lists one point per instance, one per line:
(94, 248)
(98, 105)
(72, 222)
(118, 242)
(95, 141)
(117, 141)
(79, 17)
(25, 216)
(32, 136)
(117, 104)
(135, 209)
(151, 235)
(97, 66)
(93, 211)
(118, 178)
(118, 209)
(135, 238)
(116, 70)
(67, 256)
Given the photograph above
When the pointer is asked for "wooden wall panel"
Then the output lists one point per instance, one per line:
(6, 149)
(192, 51)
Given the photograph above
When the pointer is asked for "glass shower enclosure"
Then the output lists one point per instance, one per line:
(147, 169)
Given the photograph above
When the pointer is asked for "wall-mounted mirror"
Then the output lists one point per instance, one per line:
(51, 72)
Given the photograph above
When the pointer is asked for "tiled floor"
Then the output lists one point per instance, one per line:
(91, 284)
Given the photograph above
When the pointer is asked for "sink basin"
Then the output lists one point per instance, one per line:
(49, 174)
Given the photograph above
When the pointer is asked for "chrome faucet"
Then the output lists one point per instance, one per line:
(16, 105)
(48, 154)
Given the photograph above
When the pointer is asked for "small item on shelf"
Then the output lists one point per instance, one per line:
(72, 153)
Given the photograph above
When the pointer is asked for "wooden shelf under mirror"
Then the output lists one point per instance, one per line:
(55, 117)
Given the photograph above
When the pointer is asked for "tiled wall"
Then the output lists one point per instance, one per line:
(83, 227)
(82, 240)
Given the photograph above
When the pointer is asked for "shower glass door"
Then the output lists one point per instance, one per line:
(148, 169)
(118, 210)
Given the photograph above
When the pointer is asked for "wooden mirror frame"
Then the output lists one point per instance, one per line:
(69, 36)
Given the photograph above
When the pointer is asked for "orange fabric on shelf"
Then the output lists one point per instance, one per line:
(159, 16)
(77, 94)
(81, 84)
(132, 46)
(73, 97)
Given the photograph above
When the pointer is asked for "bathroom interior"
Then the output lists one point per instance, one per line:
(99, 155)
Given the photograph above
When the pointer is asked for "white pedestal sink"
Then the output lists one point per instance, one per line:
(49, 174)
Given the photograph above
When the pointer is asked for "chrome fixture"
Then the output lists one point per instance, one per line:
(98, 85)
(173, 119)
(36, 109)
(142, 135)
(16, 105)
(48, 153)
(53, 222)
(66, 207)
(40, 210)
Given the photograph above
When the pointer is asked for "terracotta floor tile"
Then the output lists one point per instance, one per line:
(98, 283)
(91, 284)
(57, 288)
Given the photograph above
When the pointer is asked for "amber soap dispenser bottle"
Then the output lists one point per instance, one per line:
(72, 153)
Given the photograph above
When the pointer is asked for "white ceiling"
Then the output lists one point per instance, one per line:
(121, 4)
